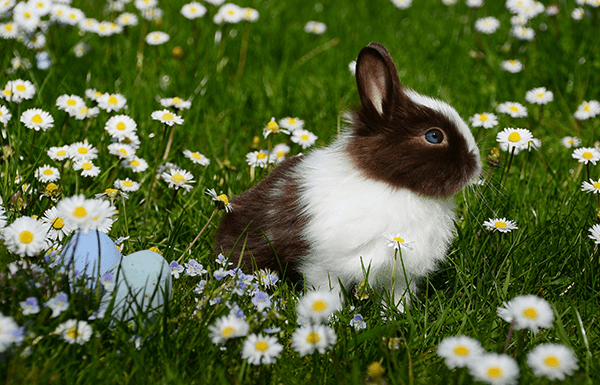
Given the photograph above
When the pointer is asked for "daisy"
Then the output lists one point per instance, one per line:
(37, 119)
(501, 225)
(228, 327)
(308, 339)
(459, 351)
(58, 153)
(257, 158)
(539, 96)
(56, 226)
(177, 178)
(250, 14)
(88, 169)
(25, 237)
(82, 151)
(7, 328)
(69, 103)
(304, 138)
(315, 27)
(514, 139)
(196, 157)
(122, 150)
(22, 89)
(552, 10)
(111, 102)
(193, 10)
(76, 212)
(120, 126)
(93, 94)
(318, 305)
(522, 33)
(493, 368)
(352, 67)
(37, 41)
(595, 233)
(514, 109)
(127, 19)
(570, 141)
(591, 187)
(167, 117)
(485, 120)
(144, 5)
(527, 312)
(157, 38)
(30, 306)
(74, 332)
(176, 102)
(273, 127)
(259, 349)
(229, 13)
(47, 174)
(587, 155)
(5, 115)
(102, 213)
(278, 153)
(221, 201)
(487, 25)
(474, 3)
(518, 20)
(291, 124)
(127, 185)
(9, 30)
(84, 112)
(396, 242)
(402, 4)
(136, 164)
(587, 110)
(578, 14)
(26, 17)
(2, 218)
(554, 361)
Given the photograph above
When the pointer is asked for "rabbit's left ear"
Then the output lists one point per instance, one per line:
(377, 80)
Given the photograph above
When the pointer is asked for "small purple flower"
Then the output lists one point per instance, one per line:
(176, 269)
(58, 304)
(193, 268)
(221, 260)
(358, 322)
(108, 281)
(30, 306)
(97, 315)
(220, 274)
(200, 287)
(261, 300)
(214, 301)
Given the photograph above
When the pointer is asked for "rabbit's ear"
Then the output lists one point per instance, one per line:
(377, 80)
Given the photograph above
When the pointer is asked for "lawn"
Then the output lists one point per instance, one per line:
(238, 76)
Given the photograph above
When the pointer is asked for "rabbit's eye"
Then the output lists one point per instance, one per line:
(434, 136)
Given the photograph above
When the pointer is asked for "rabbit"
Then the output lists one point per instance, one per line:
(327, 217)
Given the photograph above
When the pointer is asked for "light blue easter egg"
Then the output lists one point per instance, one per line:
(83, 254)
(143, 283)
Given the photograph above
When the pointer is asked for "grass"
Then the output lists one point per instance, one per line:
(273, 68)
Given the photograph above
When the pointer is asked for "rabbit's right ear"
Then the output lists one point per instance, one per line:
(377, 79)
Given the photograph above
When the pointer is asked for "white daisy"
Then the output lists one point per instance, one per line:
(46, 174)
(26, 16)
(136, 164)
(587, 110)
(102, 212)
(144, 5)
(273, 128)
(402, 4)
(250, 14)
(278, 153)
(304, 138)
(7, 328)
(82, 151)
(111, 102)
(474, 3)
(196, 157)
(259, 349)
(459, 351)
(315, 27)
(487, 25)
(84, 112)
(193, 10)
(69, 103)
(93, 94)
(595, 233)
(578, 13)
(308, 339)
(177, 178)
(591, 186)
(501, 225)
(257, 159)
(229, 13)
(497, 369)
(77, 212)
(74, 331)
(228, 327)
(514, 139)
(570, 141)
(554, 361)
(221, 201)
(587, 155)
(522, 33)
(176, 102)
(514, 109)
(167, 117)
(318, 305)
(291, 124)
(58, 153)
(398, 243)
(157, 38)
(485, 120)
(127, 19)
(22, 90)
(127, 185)
(25, 237)
(122, 150)
(87, 167)
(5, 115)
(56, 226)
(120, 126)
(539, 95)
(527, 312)
(3, 219)
(37, 119)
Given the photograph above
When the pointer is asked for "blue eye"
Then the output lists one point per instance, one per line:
(434, 136)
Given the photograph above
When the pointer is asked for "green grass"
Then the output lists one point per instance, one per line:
(287, 72)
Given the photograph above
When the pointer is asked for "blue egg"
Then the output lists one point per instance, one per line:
(143, 283)
(87, 256)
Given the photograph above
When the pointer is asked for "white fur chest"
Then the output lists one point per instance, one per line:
(351, 219)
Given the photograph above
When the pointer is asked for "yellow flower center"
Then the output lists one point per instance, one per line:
(26, 236)
(398, 239)
(86, 166)
(514, 137)
(530, 313)
(61, 153)
(176, 99)
(134, 163)
(273, 126)
(82, 150)
(304, 137)
(51, 187)
(37, 119)
(552, 361)
(83, 110)
(228, 331)
(461, 350)
(261, 155)
(586, 108)
(127, 183)
(193, 9)
(500, 224)
(58, 223)
(71, 102)
(111, 192)
(167, 116)
(313, 338)
(121, 126)
(319, 305)
(7, 92)
(483, 118)
(123, 151)
(27, 15)
(540, 95)
(596, 185)
(48, 172)
(80, 212)
(495, 372)
(73, 333)
(587, 155)
(292, 121)
(112, 100)
(261, 346)
(196, 155)
(178, 178)
(223, 198)
(9, 27)
(513, 108)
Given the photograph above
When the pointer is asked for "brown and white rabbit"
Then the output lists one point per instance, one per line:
(326, 217)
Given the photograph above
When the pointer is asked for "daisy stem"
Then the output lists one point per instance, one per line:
(169, 143)
(212, 216)
(243, 52)
(32, 144)
(173, 199)
(512, 154)
(587, 169)
(511, 331)
(315, 376)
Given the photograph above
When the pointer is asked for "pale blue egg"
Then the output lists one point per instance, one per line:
(87, 256)
(143, 283)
